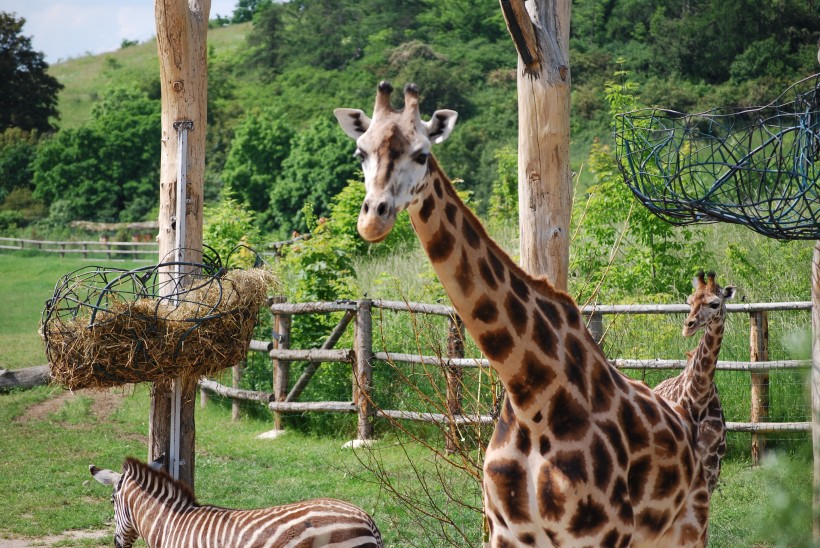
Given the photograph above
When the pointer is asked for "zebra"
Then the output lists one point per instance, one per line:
(148, 503)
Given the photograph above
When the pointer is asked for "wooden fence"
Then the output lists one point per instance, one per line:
(360, 356)
(87, 249)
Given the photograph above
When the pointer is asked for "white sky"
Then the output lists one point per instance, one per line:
(71, 28)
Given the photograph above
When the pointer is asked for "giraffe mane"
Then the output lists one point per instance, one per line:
(141, 474)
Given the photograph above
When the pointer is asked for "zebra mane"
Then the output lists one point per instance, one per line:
(149, 479)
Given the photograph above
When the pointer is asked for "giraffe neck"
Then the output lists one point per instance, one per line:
(524, 326)
(701, 370)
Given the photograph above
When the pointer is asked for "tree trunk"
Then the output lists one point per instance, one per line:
(24, 378)
(182, 28)
(540, 32)
(815, 383)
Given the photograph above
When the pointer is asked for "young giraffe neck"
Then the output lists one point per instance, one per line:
(700, 372)
(513, 317)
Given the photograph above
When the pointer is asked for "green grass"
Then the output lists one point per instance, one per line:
(84, 77)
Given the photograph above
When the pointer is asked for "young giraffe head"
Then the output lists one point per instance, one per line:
(394, 148)
(707, 303)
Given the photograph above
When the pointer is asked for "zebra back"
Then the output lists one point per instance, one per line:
(165, 513)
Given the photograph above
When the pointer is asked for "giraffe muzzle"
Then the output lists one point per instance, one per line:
(376, 219)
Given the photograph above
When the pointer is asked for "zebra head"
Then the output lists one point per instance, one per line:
(125, 533)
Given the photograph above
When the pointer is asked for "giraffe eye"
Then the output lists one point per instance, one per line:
(714, 305)
(421, 157)
(359, 155)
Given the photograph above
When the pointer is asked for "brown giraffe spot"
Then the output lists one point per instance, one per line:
(496, 344)
(616, 441)
(519, 286)
(543, 336)
(654, 520)
(672, 421)
(531, 380)
(538, 417)
(575, 361)
(687, 464)
(638, 476)
(470, 233)
(679, 498)
(510, 481)
(602, 389)
(516, 312)
(485, 310)
(589, 518)
(666, 483)
(666, 447)
(526, 538)
(487, 274)
(701, 512)
(570, 310)
(504, 543)
(497, 264)
(437, 187)
(553, 536)
(551, 499)
(427, 207)
(633, 426)
(689, 535)
(544, 444)
(572, 464)
(611, 539)
(568, 419)
(602, 463)
(626, 541)
(504, 426)
(702, 497)
(620, 500)
(550, 312)
(464, 275)
(650, 411)
(522, 441)
(440, 245)
(450, 210)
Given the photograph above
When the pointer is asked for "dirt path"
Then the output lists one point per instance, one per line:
(104, 403)
(52, 540)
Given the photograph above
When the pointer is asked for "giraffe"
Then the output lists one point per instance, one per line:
(581, 455)
(695, 387)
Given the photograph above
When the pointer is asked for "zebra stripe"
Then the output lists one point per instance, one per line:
(150, 504)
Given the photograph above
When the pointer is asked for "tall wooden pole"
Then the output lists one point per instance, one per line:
(815, 384)
(540, 32)
(182, 27)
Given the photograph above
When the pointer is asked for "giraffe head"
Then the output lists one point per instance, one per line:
(394, 147)
(707, 303)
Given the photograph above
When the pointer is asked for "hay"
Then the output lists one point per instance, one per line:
(134, 338)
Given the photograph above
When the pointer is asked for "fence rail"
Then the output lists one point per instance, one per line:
(362, 354)
(137, 250)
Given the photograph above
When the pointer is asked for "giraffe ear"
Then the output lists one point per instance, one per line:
(353, 121)
(440, 125)
(106, 477)
(729, 292)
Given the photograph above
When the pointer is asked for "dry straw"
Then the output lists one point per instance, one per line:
(126, 337)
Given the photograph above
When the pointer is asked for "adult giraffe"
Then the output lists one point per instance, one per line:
(581, 455)
(695, 387)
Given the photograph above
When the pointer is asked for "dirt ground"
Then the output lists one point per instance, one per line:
(62, 539)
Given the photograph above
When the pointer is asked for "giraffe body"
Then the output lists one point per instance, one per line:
(695, 387)
(581, 455)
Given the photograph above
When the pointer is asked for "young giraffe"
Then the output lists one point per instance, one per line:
(695, 388)
(581, 455)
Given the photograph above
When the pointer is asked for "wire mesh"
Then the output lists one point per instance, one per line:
(751, 166)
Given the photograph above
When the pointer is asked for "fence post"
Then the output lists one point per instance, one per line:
(759, 352)
(236, 377)
(85, 250)
(595, 324)
(455, 349)
(203, 398)
(362, 368)
(281, 368)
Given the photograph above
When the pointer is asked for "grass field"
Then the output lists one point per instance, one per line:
(48, 437)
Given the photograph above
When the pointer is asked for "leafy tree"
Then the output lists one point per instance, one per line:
(17, 151)
(28, 94)
(228, 224)
(319, 165)
(246, 9)
(260, 145)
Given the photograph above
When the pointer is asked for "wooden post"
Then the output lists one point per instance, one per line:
(182, 29)
(455, 349)
(759, 352)
(236, 377)
(281, 368)
(203, 398)
(595, 324)
(362, 368)
(540, 33)
(815, 386)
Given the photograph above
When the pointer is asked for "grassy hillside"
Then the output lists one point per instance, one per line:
(84, 77)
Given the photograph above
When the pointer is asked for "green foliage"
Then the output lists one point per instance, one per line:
(108, 169)
(260, 144)
(229, 224)
(504, 193)
(319, 163)
(17, 151)
(29, 93)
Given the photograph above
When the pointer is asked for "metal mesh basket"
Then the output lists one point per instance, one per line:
(754, 166)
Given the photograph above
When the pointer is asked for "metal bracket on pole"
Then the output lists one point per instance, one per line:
(182, 127)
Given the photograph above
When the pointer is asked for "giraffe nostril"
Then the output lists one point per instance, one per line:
(365, 207)
(380, 211)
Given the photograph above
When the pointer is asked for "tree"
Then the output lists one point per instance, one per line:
(28, 95)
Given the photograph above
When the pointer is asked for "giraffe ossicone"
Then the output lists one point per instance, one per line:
(581, 454)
